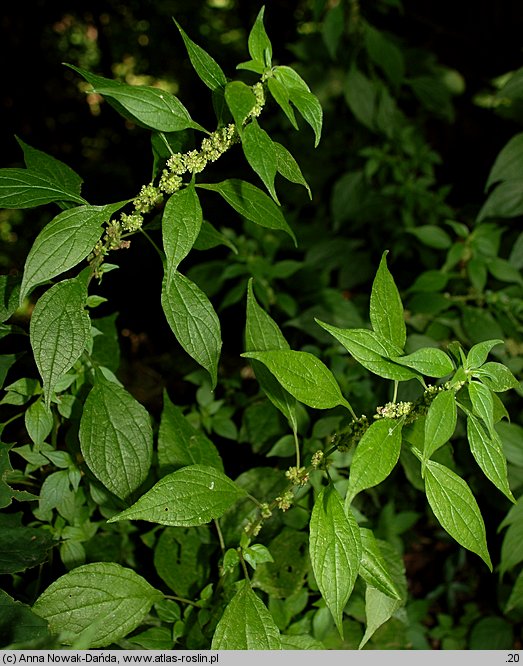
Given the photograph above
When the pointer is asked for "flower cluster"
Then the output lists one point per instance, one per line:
(285, 501)
(393, 410)
(350, 435)
(317, 459)
(259, 93)
(298, 476)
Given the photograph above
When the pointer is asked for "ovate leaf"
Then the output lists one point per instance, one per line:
(478, 353)
(64, 243)
(379, 607)
(191, 496)
(506, 200)
(386, 308)
(440, 422)
(335, 551)
(18, 624)
(150, 107)
(303, 375)
(428, 361)
(49, 167)
(246, 624)
(181, 223)
(310, 108)
(112, 598)
(193, 321)
(38, 422)
(509, 162)
(59, 331)
(288, 167)
(204, 65)
(260, 48)
(22, 547)
(116, 437)
(180, 444)
(455, 507)
(22, 188)
(252, 203)
(482, 403)
(281, 97)
(262, 333)
(241, 100)
(487, 449)
(371, 350)
(497, 377)
(376, 456)
(373, 566)
(259, 151)
(516, 596)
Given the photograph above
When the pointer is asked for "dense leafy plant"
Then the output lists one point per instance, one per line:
(109, 484)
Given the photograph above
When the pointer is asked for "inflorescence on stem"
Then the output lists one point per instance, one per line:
(171, 180)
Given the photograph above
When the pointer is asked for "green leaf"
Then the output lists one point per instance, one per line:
(116, 437)
(509, 162)
(246, 624)
(303, 375)
(488, 452)
(378, 606)
(259, 151)
(38, 422)
(386, 308)
(335, 551)
(260, 48)
(497, 377)
(373, 566)
(210, 237)
(432, 236)
(511, 551)
(22, 188)
(290, 78)
(376, 456)
(49, 167)
(193, 321)
(385, 54)
(180, 444)
(112, 598)
(482, 403)
(310, 108)
(9, 296)
(440, 422)
(18, 624)
(478, 353)
(288, 167)
(64, 243)
(281, 97)
(182, 559)
(263, 334)
(456, 509)
(181, 224)
(428, 361)
(241, 100)
(506, 200)
(204, 65)
(192, 495)
(22, 548)
(516, 596)
(252, 203)
(361, 95)
(286, 575)
(371, 350)
(59, 331)
(150, 107)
